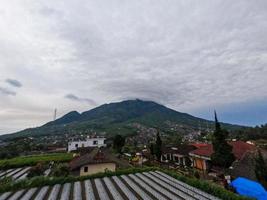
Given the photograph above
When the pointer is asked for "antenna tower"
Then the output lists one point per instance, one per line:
(55, 114)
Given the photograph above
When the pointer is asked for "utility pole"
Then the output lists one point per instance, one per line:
(55, 114)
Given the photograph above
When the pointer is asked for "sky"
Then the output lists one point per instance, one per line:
(192, 56)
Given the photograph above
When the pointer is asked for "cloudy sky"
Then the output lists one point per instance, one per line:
(193, 56)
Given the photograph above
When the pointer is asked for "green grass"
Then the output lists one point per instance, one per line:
(34, 159)
(202, 185)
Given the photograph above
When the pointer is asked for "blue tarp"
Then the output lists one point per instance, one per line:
(249, 188)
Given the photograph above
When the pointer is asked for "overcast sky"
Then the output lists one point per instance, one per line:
(192, 56)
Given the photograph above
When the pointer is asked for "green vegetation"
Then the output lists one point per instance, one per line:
(158, 147)
(222, 155)
(255, 133)
(19, 145)
(203, 185)
(60, 170)
(206, 186)
(34, 159)
(5, 180)
(37, 170)
(114, 118)
(118, 143)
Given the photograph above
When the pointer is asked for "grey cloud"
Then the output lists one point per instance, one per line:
(6, 91)
(184, 54)
(14, 82)
(76, 98)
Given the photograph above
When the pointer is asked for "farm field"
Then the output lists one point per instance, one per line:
(147, 185)
(15, 174)
(23, 161)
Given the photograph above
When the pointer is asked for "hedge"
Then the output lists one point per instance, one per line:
(206, 186)
(200, 184)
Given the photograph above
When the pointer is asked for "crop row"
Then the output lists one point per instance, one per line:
(150, 185)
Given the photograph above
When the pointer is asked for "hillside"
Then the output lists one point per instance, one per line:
(119, 117)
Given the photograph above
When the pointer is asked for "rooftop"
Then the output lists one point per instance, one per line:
(95, 156)
(181, 149)
(239, 149)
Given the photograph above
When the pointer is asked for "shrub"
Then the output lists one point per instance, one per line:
(5, 180)
(60, 170)
(37, 170)
(208, 187)
(196, 174)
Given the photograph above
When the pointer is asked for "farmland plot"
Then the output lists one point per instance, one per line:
(146, 186)
(15, 174)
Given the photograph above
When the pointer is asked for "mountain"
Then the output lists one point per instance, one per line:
(119, 118)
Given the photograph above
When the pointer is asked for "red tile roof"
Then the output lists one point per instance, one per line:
(203, 150)
(199, 145)
(239, 149)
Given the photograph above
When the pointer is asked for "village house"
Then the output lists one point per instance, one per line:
(89, 142)
(91, 160)
(201, 156)
(141, 157)
(90, 163)
(177, 155)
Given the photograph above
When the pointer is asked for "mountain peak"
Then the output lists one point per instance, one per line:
(67, 118)
(114, 117)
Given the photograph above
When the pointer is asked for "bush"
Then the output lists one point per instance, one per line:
(60, 170)
(37, 170)
(208, 187)
(196, 174)
(5, 180)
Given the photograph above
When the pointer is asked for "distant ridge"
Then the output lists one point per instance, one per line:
(114, 116)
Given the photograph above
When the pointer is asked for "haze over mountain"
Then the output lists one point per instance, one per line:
(119, 117)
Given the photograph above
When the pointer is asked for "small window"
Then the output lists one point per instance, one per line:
(76, 145)
(95, 142)
(85, 169)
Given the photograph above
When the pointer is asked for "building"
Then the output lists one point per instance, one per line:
(177, 155)
(201, 157)
(89, 142)
(94, 162)
(181, 155)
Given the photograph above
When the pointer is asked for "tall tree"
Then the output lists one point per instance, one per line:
(152, 148)
(222, 155)
(118, 143)
(261, 169)
(158, 147)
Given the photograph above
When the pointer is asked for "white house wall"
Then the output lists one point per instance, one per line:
(92, 142)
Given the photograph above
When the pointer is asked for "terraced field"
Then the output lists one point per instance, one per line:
(146, 185)
(16, 174)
